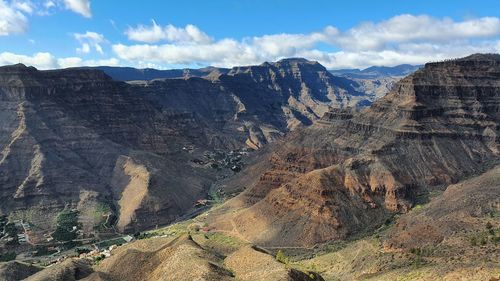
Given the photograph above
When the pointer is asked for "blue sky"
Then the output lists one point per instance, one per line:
(167, 34)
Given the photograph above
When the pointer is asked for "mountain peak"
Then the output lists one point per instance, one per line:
(296, 60)
(482, 57)
(19, 67)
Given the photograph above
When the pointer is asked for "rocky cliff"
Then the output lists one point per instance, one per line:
(265, 101)
(77, 139)
(352, 170)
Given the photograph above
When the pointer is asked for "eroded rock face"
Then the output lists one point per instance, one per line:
(345, 174)
(64, 135)
(75, 138)
(263, 101)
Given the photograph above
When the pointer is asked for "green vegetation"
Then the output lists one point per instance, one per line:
(98, 259)
(67, 224)
(417, 261)
(223, 239)
(80, 251)
(11, 231)
(482, 238)
(111, 242)
(9, 256)
(473, 241)
(43, 251)
(281, 257)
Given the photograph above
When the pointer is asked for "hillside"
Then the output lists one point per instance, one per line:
(351, 171)
(135, 155)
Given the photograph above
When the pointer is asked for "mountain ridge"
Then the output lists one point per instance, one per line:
(351, 170)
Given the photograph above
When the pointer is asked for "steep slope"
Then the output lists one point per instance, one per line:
(179, 259)
(271, 99)
(14, 271)
(349, 172)
(454, 237)
(130, 152)
(69, 270)
(77, 139)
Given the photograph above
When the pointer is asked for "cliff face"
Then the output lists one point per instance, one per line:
(348, 172)
(265, 101)
(75, 138)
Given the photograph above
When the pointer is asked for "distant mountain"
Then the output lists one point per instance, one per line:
(131, 74)
(378, 71)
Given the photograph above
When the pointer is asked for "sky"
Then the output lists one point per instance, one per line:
(167, 34)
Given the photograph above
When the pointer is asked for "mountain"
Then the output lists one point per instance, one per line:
(350, 172)
(453, 237)
(135, 155)
(405, 189)
(376, 81)
(378, 71)
(77, 139)
(131, 74)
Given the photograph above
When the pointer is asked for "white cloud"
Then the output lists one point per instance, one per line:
(90, 40)
(44, 60)
(410, 28)
(81, 7)
(12, 19)
(170, 33)
(400, 39)
(49, 4)
(38, 60)
(14, 14)
(77, 62)
(24, 6)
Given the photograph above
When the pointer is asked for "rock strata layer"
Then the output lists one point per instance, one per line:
(348, 173)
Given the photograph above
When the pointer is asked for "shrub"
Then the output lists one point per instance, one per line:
(66, 220)
(9, 256)
(483, 241)
(281, 257)
(473, 241)
(80, 251)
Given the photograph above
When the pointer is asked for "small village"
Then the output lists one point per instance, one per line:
(68, 240)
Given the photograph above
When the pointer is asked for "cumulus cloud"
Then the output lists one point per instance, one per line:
(44, 60)
(77, 62)
(413, 39)
(14, 14)
(12, 18)
(89, 40)
(170, 33)
(81, 7)
(39, 60)
(411, 28)
(405, 38)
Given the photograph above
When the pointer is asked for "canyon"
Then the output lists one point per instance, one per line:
(323, 179)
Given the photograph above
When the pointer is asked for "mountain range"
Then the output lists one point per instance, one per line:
(278, 171)
(76, 138)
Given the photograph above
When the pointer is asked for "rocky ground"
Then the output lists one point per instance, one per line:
(453, 237)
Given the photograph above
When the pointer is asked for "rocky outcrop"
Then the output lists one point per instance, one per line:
(13, 270)
(65, 134)
(75, 138)
(346, 174)
(263, 102)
